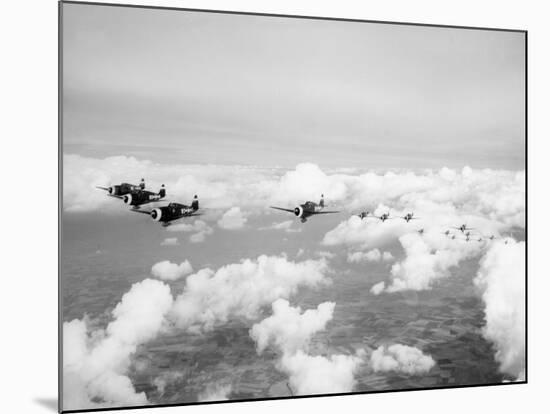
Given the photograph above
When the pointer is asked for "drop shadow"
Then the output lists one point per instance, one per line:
(49, 403)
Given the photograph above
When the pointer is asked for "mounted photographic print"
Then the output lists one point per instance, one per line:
(262, 206)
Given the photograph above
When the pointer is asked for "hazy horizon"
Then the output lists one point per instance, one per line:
(207, 88)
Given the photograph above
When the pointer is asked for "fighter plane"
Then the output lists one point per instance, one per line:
(173, 211)
(122, 189)
(137, 198)
(384, 217)
(449, 234)
(468, 235)
(420, 231)
(309, 208)
(463, 228)
(409, 216)
(364, 214)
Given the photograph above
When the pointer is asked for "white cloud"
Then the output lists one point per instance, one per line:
(283, 225)
(290, 329)
(373, 255)
(170, 241)
(167, 270)
(320, 375)
(401, 358)
(327, 255)
(232, 219)
(378, 288)
(501, 278)
(199, 227)
(215, 392)
(427, 260)
(242, 289)
(95, 363)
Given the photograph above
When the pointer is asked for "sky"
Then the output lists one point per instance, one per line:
(205, 88)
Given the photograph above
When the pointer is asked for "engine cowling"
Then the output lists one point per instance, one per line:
(127, 199)
(156, 214)
(299, 211)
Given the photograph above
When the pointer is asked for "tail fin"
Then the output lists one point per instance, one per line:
(142, 184)
(195, 203)
(162, 191)
(322, 201)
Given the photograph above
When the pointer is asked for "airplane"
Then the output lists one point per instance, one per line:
(173, 211)
(309, 208)
(468, 234)
(409, 216)
(421, 231)
(463, 228)
(384, 217)
(122, 189)
(448, 233)
(139, 197)
(364, 214)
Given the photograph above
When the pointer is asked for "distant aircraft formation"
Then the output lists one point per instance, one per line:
(136, 196)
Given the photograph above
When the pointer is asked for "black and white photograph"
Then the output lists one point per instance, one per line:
(261, 206)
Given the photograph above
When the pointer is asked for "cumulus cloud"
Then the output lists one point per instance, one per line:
(215, 392)
(198, 227)
(378, 288)
(170, 241)
(373, 255)
(319, 374)
(242, 289)
(167, 270)
(425, 263)
(496, 195)
(501, 278)
(95, 364)
(288, 328)
(232, 219)
(401, 358)
(283, 225)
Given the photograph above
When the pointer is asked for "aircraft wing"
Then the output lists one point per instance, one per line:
(283, 209)
(141, 211)
(322, 212)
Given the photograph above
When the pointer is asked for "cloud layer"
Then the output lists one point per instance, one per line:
(498, 196)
